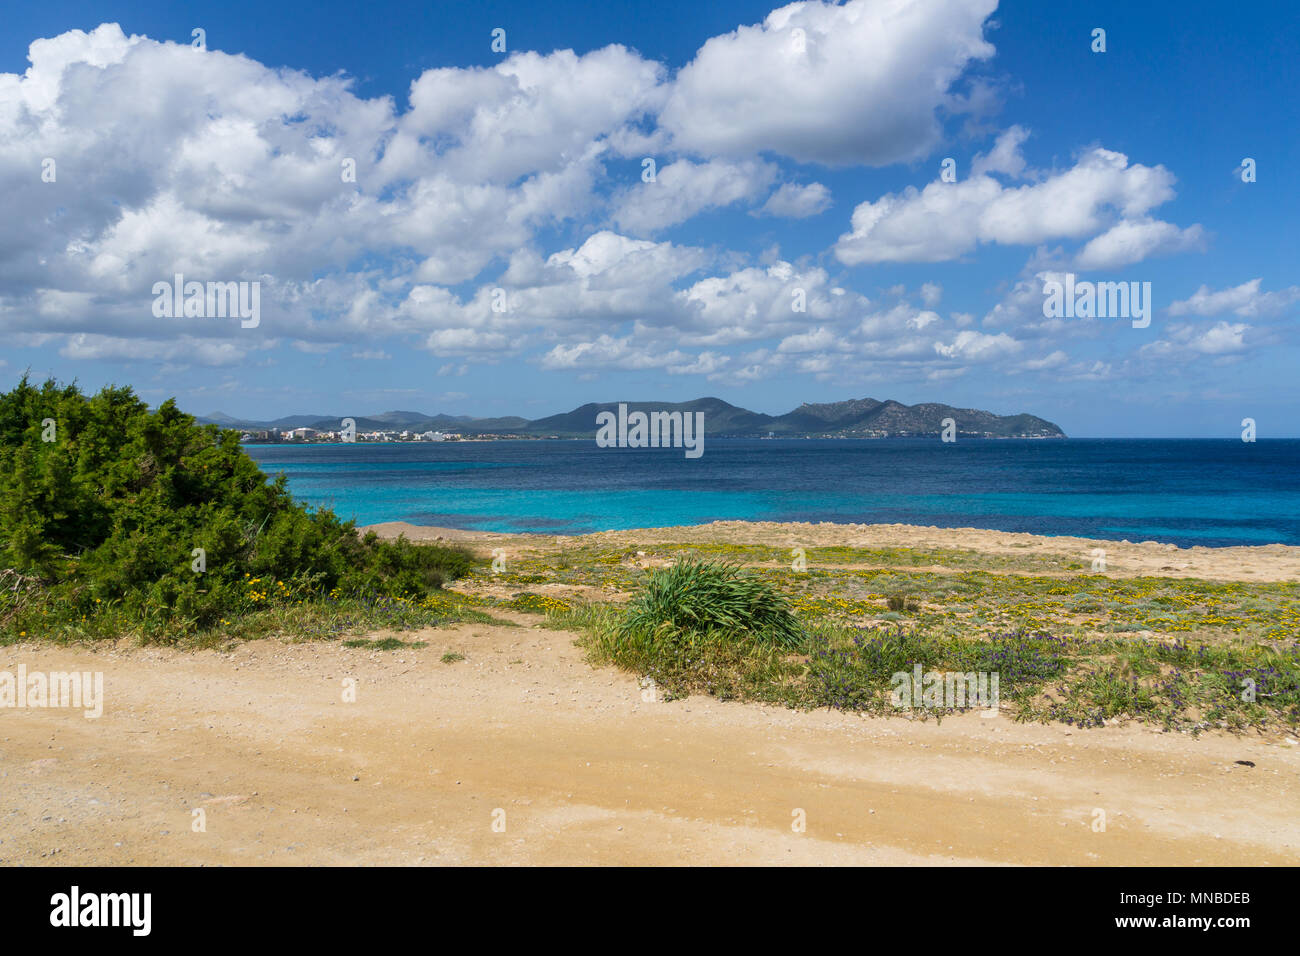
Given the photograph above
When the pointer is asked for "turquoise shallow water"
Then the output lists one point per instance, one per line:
(1184, 492)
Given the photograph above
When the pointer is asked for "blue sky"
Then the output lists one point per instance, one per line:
(788, 165)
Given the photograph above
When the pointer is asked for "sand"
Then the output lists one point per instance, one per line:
(1272, 562)
(522, 753)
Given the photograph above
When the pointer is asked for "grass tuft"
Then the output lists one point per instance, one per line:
(696, 600)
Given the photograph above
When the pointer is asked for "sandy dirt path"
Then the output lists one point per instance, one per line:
(585, 770)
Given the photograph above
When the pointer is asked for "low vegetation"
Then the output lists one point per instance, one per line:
(117, 520)
(1069, 646)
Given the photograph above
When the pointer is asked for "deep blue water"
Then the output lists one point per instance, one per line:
(1209, 492)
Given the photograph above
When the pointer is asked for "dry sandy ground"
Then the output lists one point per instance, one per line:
(575, 766)
(523, 753)
(1272, 562)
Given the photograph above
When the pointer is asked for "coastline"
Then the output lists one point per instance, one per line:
(1252, 563)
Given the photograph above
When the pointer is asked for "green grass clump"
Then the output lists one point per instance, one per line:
(901, 602)
(694, 599)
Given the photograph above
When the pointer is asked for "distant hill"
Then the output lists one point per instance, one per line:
(854, 418)
(867, 418)
(720, 418)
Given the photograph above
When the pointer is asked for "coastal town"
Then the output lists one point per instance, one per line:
(305, 435)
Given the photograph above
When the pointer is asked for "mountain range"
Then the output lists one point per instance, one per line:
(854, 418)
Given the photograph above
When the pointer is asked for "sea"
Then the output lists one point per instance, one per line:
(1181, 491)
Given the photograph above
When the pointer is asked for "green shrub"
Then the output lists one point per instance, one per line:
(902, 602)
(698, 598)
(111, 513)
